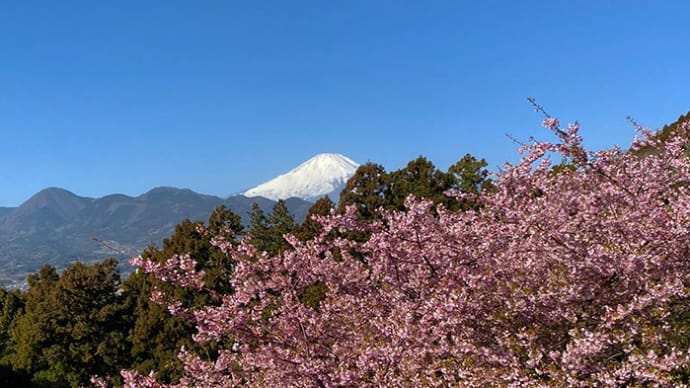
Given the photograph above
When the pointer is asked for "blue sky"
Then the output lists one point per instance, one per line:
(104, 97)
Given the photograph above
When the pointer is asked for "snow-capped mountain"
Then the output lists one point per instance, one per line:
(324, 174)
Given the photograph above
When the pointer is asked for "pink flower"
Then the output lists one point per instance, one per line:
(551, 123)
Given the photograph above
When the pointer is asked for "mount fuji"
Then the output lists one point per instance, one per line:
(324, 174)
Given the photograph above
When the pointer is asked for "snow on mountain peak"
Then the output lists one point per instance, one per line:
(321, 175)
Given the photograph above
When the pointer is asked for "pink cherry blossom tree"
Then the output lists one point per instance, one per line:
(570, 277)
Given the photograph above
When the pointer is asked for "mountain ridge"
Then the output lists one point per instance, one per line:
(56, 226)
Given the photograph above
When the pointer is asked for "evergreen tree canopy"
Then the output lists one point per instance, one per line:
(421, 179)
(310, 228)
(72, 328)
(368, 189)
(266, 232)
(157, 335)
(372, 187)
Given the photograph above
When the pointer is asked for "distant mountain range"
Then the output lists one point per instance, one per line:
(57, 227)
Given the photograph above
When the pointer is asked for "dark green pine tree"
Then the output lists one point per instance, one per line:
(313, 294)
(75, 326)
(258, 229)
(223, 220)
(371, 187)
(11, 309)
(216, 264)
(34, 329)
(471, 176)
(368, 189)
(311, 228)
(421, 179)
(280, 223)
(267, 232)
(674, 129)
(157, 336)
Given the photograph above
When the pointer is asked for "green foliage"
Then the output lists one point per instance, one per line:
(215, 263)
(223, 218)
(311, 228)
(266, 232)
(314, 294)
(471, 175)
(372, 187)
(73, 326)
(368, 189)
(157, 336)
(280, 222)
(258, 227)
(11, 308)
(32, 330)
(421, 179)
(563, 167)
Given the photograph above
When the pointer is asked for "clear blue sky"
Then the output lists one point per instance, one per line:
(101, 97)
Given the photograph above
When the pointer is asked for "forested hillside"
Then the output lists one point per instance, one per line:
(58, 227)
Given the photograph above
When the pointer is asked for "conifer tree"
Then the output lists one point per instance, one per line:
(11, 308)
(470, 176)
(266, 232)
(74, 326)
(310, 228)
(280, 223)
(421, 179)
(258, 228)
(157, 335)
(368, 189)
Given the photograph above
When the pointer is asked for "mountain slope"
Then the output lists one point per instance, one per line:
(56, 227)
(324, 174)
(48, 209)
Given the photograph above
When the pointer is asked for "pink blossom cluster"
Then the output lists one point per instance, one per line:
(179, 270)
(568, 277)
